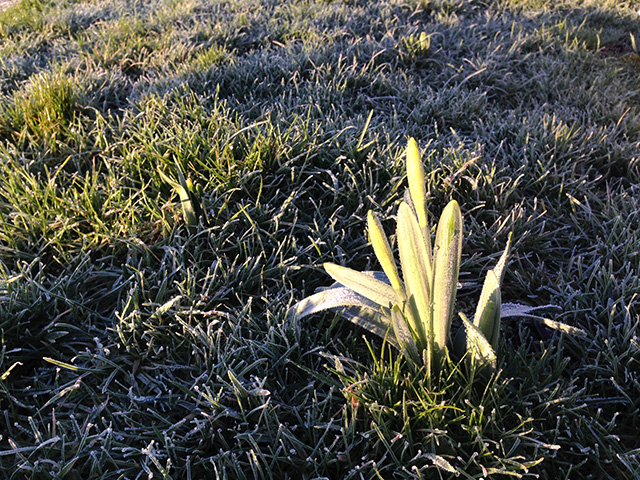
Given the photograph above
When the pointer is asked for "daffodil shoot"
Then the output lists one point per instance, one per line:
(413, 307)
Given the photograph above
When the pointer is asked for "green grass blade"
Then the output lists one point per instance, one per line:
(518, 310)
(369, 287)
(447, 253)
(413, 260)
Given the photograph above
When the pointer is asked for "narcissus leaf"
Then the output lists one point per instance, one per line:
(369, 287)
(479, 350)
(447, 253)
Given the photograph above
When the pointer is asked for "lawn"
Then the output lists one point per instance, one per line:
(137, 344)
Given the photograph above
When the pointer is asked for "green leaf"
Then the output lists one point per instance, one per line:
(480, 351)
(418, 195)
(189, 204)
(502, 263)
(371, 320)
(369, 287)
(188, 211)
(447, 253)
(383, 252)
(487, 316)
(417, 183)
(350, 305)
(329, 299)
(404, 336)
(413, 260)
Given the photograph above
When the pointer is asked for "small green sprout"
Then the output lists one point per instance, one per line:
(415, 314)
(417, 45)
(190, 198)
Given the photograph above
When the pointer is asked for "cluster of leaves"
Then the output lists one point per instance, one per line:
(415, 316)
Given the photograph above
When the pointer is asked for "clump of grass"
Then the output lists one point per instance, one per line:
(20, 16)
(417, 46)
(43, 113)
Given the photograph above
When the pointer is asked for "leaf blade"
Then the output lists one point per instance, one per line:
(487, 316)
(480, 351)
(383, 252)
(447, 255)
(413, 258)
(329, 299)
(403, 336)
(369, 287)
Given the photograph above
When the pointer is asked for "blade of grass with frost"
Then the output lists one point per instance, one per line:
(517, 310)
(418, 193)
(447, 253)
(369, 287)
(480, 350)
(487, 316)
(413, 260)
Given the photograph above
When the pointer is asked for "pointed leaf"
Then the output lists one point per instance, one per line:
(168, 179)
(502, 263)
(479, 349)
(363, 284)
(384, 254)
(403, 336)
(350, 305)
(447, 253)
(413, 258)
(418, 195)
(188, 212)
(487, 317)
(329, 299)
(417, 183)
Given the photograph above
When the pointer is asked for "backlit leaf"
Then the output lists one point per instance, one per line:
(480, 351)
(413, 258)
(447, 253)
(369, 287)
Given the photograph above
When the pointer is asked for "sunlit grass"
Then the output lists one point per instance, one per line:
(133, 345)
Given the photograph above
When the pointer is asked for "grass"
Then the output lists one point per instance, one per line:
(133, 347)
